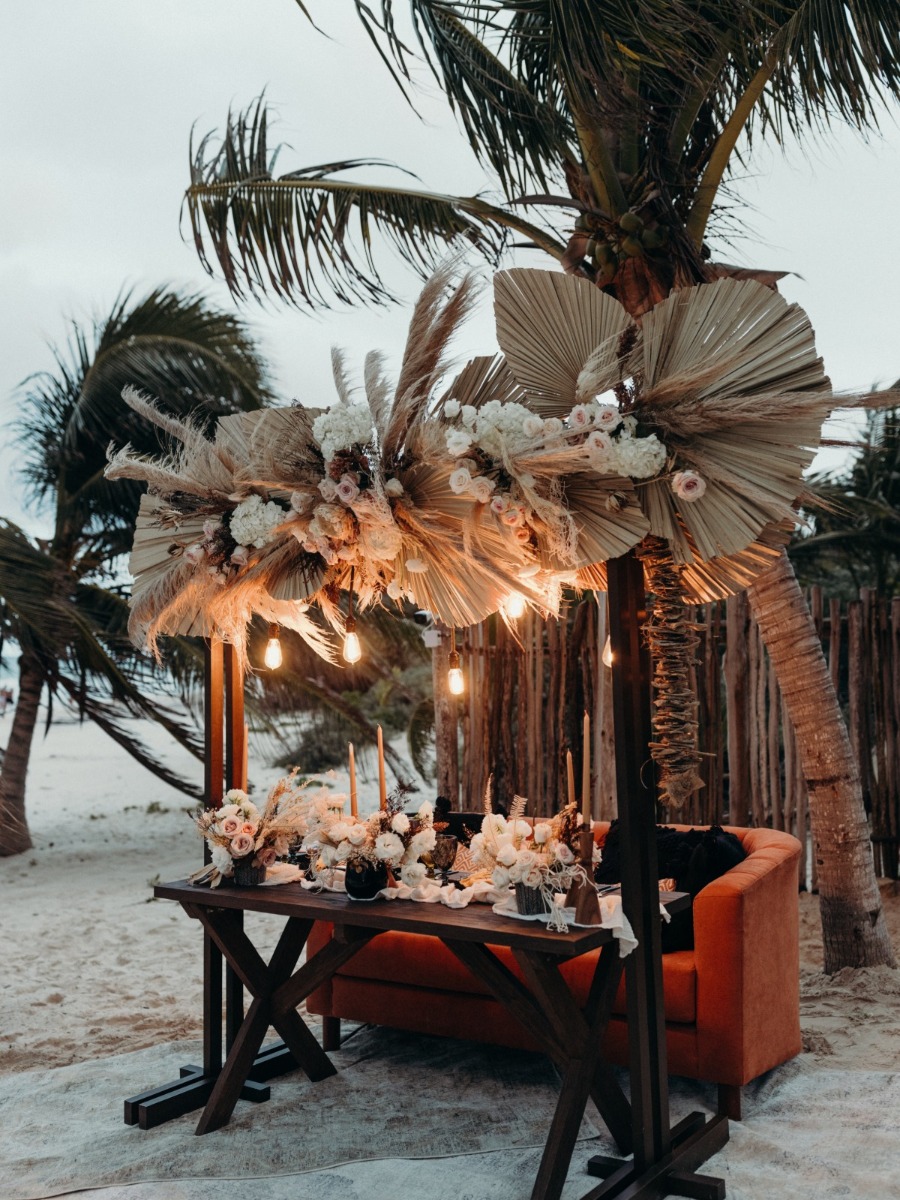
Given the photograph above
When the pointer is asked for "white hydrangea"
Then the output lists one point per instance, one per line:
(253, 520)
(641, 457)
(341, 427)
(500, 427)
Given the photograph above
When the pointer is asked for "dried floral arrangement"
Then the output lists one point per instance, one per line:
(541, 856)
(389, 837)
(240, 833)
(685, 435)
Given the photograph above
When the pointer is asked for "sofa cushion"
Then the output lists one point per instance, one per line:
(425, 962)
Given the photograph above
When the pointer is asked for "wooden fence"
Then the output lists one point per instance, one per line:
(527, 688)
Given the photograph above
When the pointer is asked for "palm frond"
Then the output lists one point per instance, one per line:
(309, 235)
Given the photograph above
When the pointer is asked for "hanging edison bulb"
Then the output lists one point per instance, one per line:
(456, 681)
(352, 647)
(273, 656)
(607, 656)
(514, 605)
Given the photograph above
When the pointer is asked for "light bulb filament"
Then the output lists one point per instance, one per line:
(456, 681)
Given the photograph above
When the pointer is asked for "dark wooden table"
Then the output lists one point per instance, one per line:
(569, 1033)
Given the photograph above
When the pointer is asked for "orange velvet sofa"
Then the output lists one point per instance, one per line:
(732, 1003)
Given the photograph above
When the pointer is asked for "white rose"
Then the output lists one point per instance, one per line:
(533, 427)
(357, 834)
(230, 810)
(421, 843)
(553, 427)
(598, 441)
(393, 487)
(542, 833)
(400, 823)
(500, 877)
(527, 858)
(516, 871)
(195, 554)
(301, 502)
(339, 831)
(482, 489)
(507, 855)
(388, 847)
(533, 877)
(328, 490)
(342, 853)
(347, 490)
(499, 504)
(476, 847)
(241, 556)
(458, 442)
(460, 481)
(579, 417)
(451, 409)
(606, 416)
(412, 874)
(468, 414)
(564, 854)
(688, 485)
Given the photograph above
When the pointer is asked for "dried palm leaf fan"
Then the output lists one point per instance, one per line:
(726, 376)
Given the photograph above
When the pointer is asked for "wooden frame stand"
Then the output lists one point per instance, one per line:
(225, 759)
(665, 1157)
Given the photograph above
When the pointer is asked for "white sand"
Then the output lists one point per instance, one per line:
(94, 966)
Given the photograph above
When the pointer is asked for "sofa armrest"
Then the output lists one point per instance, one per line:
(746, 946)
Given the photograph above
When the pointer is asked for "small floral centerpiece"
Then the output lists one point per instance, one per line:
(244, 840)
(389, 840)
(538, 859)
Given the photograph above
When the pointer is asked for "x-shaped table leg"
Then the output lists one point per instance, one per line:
(571, 1037)
(276, 993)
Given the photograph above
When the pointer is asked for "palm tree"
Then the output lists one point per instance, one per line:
(856, 532)
(60, 601)
(611, 127)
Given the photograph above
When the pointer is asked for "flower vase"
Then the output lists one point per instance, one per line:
(531, 900)
(246, 875)
(366, 882)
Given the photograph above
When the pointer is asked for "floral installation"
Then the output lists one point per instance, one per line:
(389, 837)
(239, 832)
(586, 436)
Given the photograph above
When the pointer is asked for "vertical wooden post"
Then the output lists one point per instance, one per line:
(640, 878)
(213, 788)
(235, 777)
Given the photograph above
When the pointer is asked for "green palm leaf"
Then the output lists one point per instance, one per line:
(309, 236)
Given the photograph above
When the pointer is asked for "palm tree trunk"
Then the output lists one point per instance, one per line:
(854, 932)
(14, 835)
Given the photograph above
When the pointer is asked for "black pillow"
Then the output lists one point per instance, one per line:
(693, 858)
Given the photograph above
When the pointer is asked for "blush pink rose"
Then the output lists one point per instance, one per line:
(241, 556)
(266, 857)
(241, 844)
(196, 553)
(688, 485)
(249, 827)
(231, 826)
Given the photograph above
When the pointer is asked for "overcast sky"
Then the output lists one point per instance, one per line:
(100, 97)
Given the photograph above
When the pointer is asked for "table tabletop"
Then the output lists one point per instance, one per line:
(475, 923)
